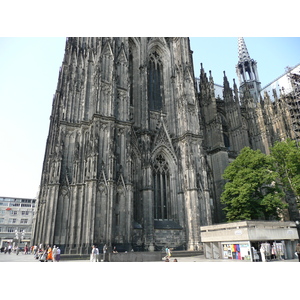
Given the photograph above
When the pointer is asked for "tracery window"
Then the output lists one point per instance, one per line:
(161, 184)
(155, 71)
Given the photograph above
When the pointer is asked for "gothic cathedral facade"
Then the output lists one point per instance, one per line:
(135, 154)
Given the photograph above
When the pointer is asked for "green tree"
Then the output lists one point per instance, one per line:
(252, 191)
(286, 158)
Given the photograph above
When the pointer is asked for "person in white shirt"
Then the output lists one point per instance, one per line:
(54, 253)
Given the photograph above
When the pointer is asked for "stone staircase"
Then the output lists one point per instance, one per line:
(176, 253)
(186, 253)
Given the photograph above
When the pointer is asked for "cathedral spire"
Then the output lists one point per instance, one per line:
(246, 70)
(243, 51)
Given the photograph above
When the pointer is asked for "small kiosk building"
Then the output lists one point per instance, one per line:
(250, 240)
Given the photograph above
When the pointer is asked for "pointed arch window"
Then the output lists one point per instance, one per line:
(161, 185)
(155, 71)
(131, 77)
(225, 133)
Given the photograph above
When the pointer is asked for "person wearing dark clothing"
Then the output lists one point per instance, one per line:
(298, 251)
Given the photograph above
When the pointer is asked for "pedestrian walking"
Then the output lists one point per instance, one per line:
(298, 251)
(168, 253)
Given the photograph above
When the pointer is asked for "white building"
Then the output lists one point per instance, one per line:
(16, 216)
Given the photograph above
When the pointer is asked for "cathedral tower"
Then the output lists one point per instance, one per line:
(124, 163)
(246, 70)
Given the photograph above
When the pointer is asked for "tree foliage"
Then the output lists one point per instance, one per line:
(252, 190)
(286, 158)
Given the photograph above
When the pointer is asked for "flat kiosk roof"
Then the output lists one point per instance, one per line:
(238, 236)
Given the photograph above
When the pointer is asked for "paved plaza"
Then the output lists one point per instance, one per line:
(199, 258)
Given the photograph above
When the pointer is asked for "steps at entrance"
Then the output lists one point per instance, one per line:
(87, 256)
(186, 253)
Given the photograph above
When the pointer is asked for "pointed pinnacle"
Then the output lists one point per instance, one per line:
(243, 52)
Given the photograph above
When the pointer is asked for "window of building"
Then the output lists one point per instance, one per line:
(25, 213)
(13, 212)
(161, 182)
(117, 219)
(225, 132)
(1, 220)
(24, 221)
(155, 69)
(10, 229)
(131, 78)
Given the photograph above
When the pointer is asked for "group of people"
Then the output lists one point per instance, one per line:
(95, 253)
(174, 260)
(47, 254)
(7, 249)
(16, 249)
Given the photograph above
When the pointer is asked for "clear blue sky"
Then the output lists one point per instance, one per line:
(221, 54)
(28, 79)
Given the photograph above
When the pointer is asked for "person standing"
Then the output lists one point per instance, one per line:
(97, 254)
(104, 251)
(35, 249)
(54, 253)
(93, 254)
(298, 251)
(262, 252)
(58, 254)
(49, 254)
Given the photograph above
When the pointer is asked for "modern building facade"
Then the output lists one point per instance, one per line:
(16, 218)
(137, 148)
